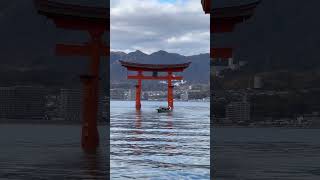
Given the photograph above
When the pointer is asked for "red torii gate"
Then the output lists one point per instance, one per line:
(155, 68)
(95, 21)
(224, 20)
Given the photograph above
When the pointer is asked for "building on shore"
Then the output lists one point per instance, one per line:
(118, 94)
(71, 101)
(131, 95)
(145, 96)
(257, 82)
(22, 102)
(70, 104)
(185, 96)
(237, 112)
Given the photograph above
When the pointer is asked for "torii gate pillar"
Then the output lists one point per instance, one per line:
(170, 90)
(90, 135)
(95, 21)
(138, 91)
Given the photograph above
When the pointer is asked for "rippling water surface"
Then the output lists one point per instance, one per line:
(151, 145)
(266, 154)
(37, 151)
(148, 145)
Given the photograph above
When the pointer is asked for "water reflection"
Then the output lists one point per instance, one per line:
(95, 165)
(146, 144)
(137, 132)
(138, 119)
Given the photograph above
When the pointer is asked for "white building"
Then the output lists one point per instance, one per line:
(185, 96)
(117, 93)
(131, 95)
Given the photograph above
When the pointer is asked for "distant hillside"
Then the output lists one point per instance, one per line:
(280, 42)
(282, 35)
(27, 50)
(198, 71)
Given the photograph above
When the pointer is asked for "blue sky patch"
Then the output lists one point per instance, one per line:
(167, 1)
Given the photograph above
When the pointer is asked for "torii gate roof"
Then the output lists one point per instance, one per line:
(209, 6)
(155, 67)
(57, 9)
(225, 18)
(240, 11)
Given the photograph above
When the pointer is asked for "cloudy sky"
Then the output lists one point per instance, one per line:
(178, 26)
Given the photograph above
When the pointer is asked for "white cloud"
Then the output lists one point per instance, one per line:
(149, 25)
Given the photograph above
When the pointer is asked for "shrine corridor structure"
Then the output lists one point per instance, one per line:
(155, 68)
(95, 21)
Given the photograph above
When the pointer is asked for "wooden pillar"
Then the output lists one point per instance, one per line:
(138, 91)
(170, 90)
(90, 136)
(221, 53)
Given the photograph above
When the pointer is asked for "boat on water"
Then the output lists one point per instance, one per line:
(164, 109)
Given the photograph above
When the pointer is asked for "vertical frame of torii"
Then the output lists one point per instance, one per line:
(95, 21)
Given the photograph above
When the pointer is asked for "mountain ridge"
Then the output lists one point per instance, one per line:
(199, 63)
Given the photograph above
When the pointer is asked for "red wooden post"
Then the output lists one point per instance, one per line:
(221, 53)
(90, 135)
(170, 90)
(138, 91)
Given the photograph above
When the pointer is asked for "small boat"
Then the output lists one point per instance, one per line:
(164, 109)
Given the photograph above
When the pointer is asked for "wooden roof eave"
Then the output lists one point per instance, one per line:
(238, 7)
(155, 67)
(206, 6)
(53, 9)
